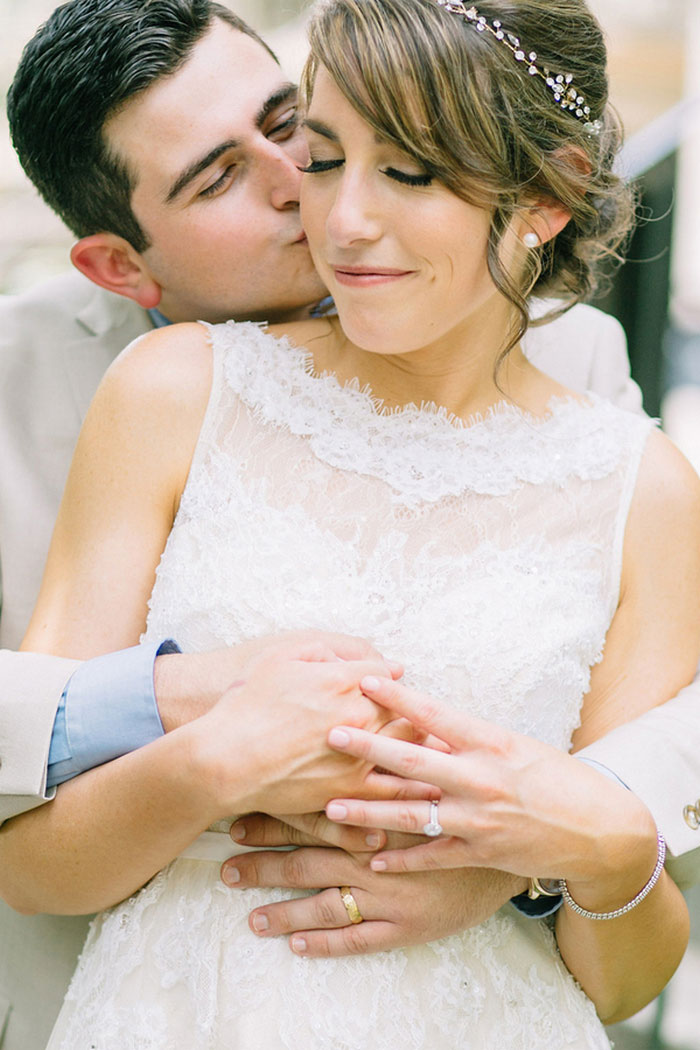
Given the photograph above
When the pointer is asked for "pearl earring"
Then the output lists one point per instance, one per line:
(531, 240)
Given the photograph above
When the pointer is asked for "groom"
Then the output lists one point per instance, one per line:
(181, 184)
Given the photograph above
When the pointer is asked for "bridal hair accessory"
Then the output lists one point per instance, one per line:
(565, 93)
(433, 828)
(531, 240)
(350, 903)
(655, 876)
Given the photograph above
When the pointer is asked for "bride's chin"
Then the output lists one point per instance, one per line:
(376, 335)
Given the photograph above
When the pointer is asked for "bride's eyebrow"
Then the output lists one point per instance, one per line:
(320, 129)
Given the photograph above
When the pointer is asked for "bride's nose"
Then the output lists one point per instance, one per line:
(355, 214)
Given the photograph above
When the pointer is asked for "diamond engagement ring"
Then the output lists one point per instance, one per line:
(433, 828)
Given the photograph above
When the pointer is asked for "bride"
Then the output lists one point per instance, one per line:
(400, 472)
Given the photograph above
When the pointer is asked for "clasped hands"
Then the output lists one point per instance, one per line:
(511, 807)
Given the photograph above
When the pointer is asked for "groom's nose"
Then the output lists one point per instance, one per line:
(282, 176)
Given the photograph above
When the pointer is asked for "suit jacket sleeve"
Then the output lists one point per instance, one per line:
(657, 755)
(56, 341)
(30, 689)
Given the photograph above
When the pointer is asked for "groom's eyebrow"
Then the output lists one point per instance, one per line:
(197, 167)
(286, 93)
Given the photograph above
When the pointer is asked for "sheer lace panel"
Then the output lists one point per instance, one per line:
(487, 559)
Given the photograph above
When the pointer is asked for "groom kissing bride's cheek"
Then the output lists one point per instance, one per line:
(395, 511)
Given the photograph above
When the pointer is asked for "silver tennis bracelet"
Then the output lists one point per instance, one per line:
(655, 876)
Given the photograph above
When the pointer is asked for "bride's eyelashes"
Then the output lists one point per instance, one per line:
(424, 179)
(317, 167)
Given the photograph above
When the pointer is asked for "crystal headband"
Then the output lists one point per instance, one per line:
(564, 91)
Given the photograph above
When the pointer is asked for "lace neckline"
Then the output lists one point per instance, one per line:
(372, 405)
(422, 451)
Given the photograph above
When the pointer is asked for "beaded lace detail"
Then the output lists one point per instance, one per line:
(486, 557)
(347, 428)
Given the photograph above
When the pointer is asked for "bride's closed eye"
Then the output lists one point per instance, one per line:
(317, 167)
(422, 179)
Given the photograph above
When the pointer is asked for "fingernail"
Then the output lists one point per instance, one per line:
(377, 865)
(238, 832)
(338, 738)
(298, 945)
(231, 875)
(334, 811)
(370, 684)
(373, 840)
(395, 667)
(261, 923)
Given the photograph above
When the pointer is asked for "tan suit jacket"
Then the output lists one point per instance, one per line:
(658, 755)
(55, 343)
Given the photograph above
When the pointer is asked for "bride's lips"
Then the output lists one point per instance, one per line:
(365, 276)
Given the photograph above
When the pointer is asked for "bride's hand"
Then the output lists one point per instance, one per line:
(508, 801)
(315, 829)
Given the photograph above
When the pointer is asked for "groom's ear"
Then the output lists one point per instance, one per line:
(112, 263)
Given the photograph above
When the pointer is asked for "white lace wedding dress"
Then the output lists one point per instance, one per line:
(487, 559)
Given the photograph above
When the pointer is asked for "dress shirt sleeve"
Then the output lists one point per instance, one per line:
(658, 757)
(108, 708)
(605, 770)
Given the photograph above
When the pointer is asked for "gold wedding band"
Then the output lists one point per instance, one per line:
(350, 904)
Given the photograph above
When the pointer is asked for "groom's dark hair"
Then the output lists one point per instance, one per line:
(82, 65)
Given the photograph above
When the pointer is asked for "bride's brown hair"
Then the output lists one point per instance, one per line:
(459, 102)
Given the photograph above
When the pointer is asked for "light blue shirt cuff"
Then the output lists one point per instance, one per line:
(609, 773)
(108, 708)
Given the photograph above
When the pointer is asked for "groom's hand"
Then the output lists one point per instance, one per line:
(398, 909)
(264, 745)
(188, 685)
(304, 829)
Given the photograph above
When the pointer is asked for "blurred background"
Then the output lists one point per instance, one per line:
(655, 81)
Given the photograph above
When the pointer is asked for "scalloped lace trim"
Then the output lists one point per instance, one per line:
(348, 428)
